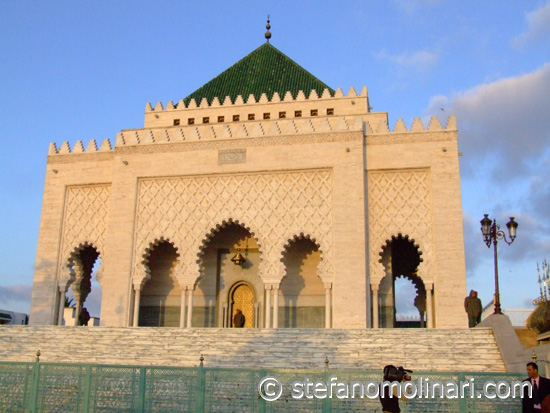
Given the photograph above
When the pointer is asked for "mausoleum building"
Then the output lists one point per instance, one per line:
(265, 190)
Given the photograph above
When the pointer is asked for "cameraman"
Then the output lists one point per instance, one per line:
(390, 402)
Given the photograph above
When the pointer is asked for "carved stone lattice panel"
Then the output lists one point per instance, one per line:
(400, 202)
(274, 206)
(85, 219)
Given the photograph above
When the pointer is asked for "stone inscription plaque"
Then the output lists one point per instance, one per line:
(227, 156)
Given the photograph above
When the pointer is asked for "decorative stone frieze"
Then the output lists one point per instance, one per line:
(274, 206)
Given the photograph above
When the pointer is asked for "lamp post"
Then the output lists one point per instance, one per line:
(491, 234)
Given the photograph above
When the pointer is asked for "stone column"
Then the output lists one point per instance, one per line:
(268, 306)
(137, 294)
(130, 308)
(328, 307)
(256, 316)
(81, 289)
(190, 307)
(63, 280)
(224, 316)
(276, 307)
(182, 307)
(61, 308)
(78, 307)
(374, 306)
(429, 311)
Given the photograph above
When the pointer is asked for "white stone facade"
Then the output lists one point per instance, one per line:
(335, 176)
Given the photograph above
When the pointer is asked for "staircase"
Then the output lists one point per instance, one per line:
(472, 350)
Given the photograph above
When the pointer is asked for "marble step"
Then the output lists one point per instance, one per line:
(419, 349)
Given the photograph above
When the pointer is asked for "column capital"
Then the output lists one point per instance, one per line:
(63, 286)
(328, 286)
(64, 278)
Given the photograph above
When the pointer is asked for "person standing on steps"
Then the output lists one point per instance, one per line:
(473, 308)
(480, 311)
(238, 319)
(83, 317)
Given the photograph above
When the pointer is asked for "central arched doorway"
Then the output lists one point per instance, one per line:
(225, 279)
(401, 258)
(241, 297)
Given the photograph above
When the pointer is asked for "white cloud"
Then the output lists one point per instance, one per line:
(504, 132)
(538, 25)
(405, 293)
(420, 61)
(506, 120)
(15, 297)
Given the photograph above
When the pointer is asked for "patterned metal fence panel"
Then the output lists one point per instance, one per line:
(60, 388)
(171, 389)
(229, 390)
(113, 389)
(15, 386)
(286, 403)
(55, 387)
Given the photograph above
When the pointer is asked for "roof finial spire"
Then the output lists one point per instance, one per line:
(268, 26)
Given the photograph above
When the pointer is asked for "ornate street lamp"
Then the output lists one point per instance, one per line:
(491, 234)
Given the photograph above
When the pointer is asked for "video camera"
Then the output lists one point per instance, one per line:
(392, 373)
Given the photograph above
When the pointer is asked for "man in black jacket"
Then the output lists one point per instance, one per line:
(541, 389)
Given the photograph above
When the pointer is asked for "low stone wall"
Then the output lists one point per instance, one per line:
(370, 349)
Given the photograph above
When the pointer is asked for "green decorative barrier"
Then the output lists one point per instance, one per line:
(45, 387)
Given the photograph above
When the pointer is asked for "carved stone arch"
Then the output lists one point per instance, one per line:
(321, 273)
(418, 285)
(214, 230)
(401, 257)
(398, 237)
(146, 257)
(74, 260)
(238, 284)
(420, 299)
(420, 294)
(76, 272)
(74, 254)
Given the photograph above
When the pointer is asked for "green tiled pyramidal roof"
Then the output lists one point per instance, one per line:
(265, 70)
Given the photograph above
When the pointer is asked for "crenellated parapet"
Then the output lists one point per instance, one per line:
(381, 126)
(241, 108)
(226, 119)
(251, 100)
(240, 130)
(374, 127)
(92, 147)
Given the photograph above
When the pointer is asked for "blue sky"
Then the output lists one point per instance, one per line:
(85, 70)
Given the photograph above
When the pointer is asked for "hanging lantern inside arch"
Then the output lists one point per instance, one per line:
(238, 259)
